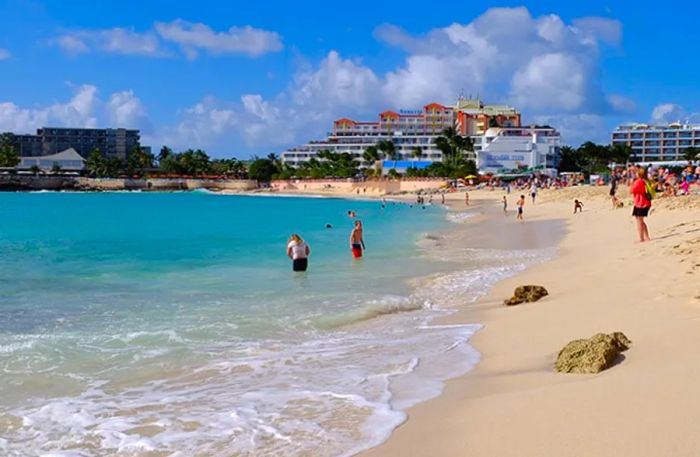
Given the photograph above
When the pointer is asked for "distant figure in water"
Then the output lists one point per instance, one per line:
(521, 204)
(505, 205)
(466, 198)
(578, 206)
(352, 214)
(299, 252)
(357, 241)
(329, 226)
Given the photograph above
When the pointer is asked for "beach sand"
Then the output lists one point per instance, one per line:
(602, 280)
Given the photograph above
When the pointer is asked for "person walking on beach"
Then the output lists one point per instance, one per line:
(505, 205)
(520, 204)
(299, 252)
(357, 241)
(533, 192)
(613, 190)
(642, 191)
(466, 198)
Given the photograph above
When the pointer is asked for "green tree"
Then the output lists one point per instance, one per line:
(96, 165)
(164, 153)
(417, 152)
(691, 154)
(262, 169)
(56, 168)
(452, 145)
(388, 149)
(8, 156)
(371, 158)
(34, 169)
(569, 160)
(138, 161)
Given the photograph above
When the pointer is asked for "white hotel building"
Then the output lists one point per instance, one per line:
(510, 148)
(496, 148)
(657, 143)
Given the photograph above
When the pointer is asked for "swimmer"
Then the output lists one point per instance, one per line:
(329, 226)
(352, 214)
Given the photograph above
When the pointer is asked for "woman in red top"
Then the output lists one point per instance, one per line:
(642, 203)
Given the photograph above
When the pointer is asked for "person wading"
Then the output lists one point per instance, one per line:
(299, 252)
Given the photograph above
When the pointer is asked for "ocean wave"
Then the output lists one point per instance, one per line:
(458, 217)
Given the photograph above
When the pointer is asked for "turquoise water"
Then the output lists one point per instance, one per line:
(171, 324)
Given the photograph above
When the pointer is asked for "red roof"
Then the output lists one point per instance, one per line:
(434, 107)
(391, 114)
(345, 120)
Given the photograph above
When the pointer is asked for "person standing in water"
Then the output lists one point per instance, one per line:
(299, 252)
(357, 241)
(521, 204)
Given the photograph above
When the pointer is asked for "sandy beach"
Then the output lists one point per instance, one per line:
(602, 280)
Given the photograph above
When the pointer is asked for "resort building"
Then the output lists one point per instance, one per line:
(475, 118)
(512, 148)
(53, 140)
(500, 143)
(412, 132)
(655, 143)
(68, 160)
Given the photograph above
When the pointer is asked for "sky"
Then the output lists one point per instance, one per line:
(239, 79)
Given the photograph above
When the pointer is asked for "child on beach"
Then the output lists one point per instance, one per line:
(505, 205)
(521, 204)
(578, 206)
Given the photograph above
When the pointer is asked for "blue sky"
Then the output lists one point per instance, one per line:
(242, 78)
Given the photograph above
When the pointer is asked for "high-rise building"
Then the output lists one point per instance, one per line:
(653, 143)
(52, 140)
(413, 133)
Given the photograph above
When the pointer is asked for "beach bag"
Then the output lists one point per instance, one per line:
(650, 189)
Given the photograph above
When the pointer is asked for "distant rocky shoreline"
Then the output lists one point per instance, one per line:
(18, 183)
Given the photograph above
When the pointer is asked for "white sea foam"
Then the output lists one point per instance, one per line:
(458, 217)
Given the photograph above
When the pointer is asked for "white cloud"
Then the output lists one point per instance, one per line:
(542, 65)
(192, 37)
(124, 109)
(114, 41)
(622, 104)
(601, 29)
(189, 37)
(576, 129)
(4, 54)
(666, 113)
(84, 109)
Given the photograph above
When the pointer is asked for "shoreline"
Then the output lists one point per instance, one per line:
(598, 282)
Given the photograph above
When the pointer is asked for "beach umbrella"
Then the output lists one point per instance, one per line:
(470, 177)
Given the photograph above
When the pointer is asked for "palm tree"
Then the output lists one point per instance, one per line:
(371, 157)
(417, 152)
(453, 145)
(691, 154)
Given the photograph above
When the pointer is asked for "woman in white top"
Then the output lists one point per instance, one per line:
(299, 252)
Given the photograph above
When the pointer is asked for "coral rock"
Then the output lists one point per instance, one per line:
(524, 294)
(591, 355)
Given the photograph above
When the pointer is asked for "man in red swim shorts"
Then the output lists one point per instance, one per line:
(357, 242)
